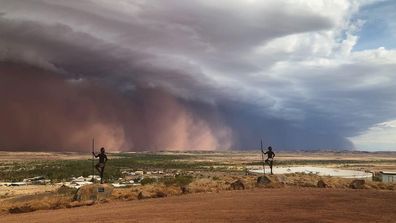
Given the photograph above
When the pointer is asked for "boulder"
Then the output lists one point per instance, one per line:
(237, 185)
(321, 184)
(144, 195)
(160, 194)
(94, 192)
(357, 184)
(263, 180)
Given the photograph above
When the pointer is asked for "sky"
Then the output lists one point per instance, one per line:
(197, 75)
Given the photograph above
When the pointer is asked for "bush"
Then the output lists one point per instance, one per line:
(180, 180)
(148, 181)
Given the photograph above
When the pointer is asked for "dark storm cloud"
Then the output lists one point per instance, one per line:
(40, 110)
(179, 75)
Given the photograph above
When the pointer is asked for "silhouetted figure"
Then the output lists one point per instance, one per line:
(270, 157)
(102, 162)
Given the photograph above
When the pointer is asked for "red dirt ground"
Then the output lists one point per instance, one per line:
(260, 205)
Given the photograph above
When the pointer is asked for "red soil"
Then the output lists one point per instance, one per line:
(260, 205)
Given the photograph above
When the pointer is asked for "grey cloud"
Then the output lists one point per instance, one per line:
(181, 71)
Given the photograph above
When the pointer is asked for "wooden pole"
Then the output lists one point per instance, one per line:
(262, 156)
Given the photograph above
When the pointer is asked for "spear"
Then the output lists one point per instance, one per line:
(93, 160)
(262, 155)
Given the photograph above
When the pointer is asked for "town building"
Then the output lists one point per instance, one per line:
(388, 176)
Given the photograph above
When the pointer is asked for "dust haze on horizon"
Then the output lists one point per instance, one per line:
(197, 75)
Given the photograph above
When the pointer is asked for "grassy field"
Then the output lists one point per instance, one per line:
(58, 170)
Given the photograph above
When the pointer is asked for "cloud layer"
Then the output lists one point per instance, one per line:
(151, 75)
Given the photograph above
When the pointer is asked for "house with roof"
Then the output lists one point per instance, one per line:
(388, 176)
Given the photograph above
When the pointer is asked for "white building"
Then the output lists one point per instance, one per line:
(388, 176)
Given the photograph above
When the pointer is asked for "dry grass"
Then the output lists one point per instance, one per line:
(148, 191)
(63, 197)
(8, 192)
(207, 185)
(29, 203)
(380, 186)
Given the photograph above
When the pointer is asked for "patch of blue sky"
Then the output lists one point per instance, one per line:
(379, 29)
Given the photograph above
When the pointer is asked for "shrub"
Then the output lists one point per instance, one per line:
(180, 180)
(148, 181)
(66, 190)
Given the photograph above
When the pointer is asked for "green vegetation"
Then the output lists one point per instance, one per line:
(58, 170)
(148, 181)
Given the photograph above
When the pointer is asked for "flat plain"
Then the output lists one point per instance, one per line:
(197, 187)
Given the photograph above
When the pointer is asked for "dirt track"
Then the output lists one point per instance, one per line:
(261, 205)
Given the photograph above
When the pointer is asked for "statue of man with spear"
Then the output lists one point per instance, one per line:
(100, 166)
(270, 157)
